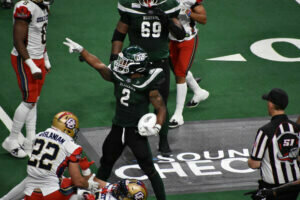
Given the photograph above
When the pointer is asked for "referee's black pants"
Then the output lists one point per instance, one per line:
(113, 146)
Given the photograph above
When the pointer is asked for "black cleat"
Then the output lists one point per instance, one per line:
(198, 79)
(175, 123)
(192, 104)
(166, 154)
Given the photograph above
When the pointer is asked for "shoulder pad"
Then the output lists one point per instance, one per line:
(22, 12)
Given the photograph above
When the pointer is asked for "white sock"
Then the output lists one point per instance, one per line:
(17, 193)
(192, 83)
(180, 98)
(19, 119)
(31, 123)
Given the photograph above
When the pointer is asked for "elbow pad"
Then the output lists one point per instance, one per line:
(118, 36)
(178, 32)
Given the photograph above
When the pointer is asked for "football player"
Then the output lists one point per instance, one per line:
(182, 53)
(126, 189)
(135, 86)
(30, 61)
(148, 23)
(54, 150)
(67, 187)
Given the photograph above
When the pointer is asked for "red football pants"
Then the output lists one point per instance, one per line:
(182, 55)
(57, 195)
(29, 87)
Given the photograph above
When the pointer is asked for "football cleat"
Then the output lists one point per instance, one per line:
(166, 154)
(197, 99)
(197, 79)
(27, 147)
(176, 121)
(14, 148)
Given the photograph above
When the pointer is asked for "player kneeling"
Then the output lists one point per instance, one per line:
(126, 189)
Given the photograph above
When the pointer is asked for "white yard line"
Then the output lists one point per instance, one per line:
(8, 123)
(5, 119)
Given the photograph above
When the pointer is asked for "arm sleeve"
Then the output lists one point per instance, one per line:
(23, 13)
(74, 152)
(259, 146)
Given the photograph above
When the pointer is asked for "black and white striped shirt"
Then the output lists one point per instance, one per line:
(277, 146)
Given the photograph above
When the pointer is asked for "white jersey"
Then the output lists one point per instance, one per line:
(52, 151)
(188, 24)
(37, 27)
(104, 193)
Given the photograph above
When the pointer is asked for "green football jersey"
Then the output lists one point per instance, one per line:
(132, 96)
(145, 29)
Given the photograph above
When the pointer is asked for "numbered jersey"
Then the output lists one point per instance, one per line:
(145, 29)
(103, 193)
(132, 96)
(38, 20)
(188, 24)
(52, 151)
(277, 147)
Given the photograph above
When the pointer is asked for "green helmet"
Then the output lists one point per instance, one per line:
(132, 59)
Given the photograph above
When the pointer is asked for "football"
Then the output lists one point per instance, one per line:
(147, 120)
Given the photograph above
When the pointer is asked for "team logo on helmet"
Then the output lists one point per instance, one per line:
(71, 123)
(132, 59)
(140, 57)
(139, 196)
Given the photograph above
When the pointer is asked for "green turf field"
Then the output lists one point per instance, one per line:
(235, 87)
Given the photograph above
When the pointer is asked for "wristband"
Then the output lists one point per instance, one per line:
(158, 127)
(188, 12)
(47, 61)
(86, 172)
(113, 57)
(33, 68)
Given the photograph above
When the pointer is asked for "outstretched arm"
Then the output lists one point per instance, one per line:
(92, 60)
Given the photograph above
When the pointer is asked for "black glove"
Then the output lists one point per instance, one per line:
(261, 194)
(113, 57)
(163, 17)
(81, 59)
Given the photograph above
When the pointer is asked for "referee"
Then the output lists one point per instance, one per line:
(275, 149)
